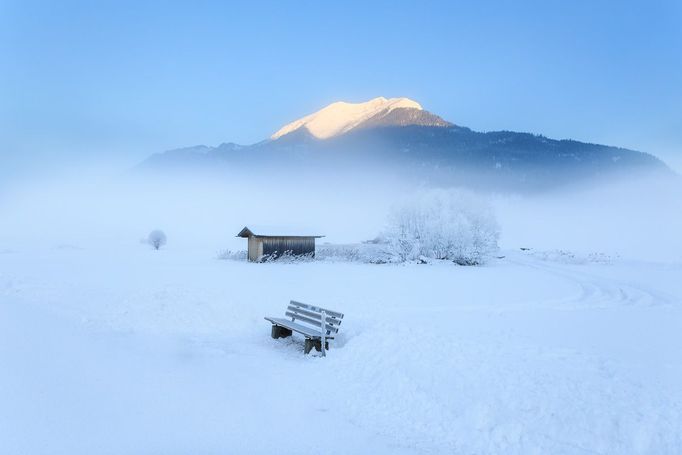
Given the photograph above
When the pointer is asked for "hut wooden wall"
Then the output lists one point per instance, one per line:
(296, 245)
(255, 248)
(260, 246)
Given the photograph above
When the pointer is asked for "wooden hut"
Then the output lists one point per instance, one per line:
(268, 242)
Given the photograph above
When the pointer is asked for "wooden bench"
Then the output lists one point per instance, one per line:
(307, 320)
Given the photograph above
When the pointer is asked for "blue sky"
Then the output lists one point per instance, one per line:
(95, 80)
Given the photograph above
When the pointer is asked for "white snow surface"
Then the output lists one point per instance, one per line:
(114, 349)
(341, 117)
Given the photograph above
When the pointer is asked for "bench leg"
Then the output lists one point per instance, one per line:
(318, 345)
(279, 332)
(308, 346)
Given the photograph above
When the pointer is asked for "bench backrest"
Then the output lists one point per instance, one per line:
(312, 315)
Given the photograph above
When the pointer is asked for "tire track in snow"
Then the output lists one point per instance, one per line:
(598, 291)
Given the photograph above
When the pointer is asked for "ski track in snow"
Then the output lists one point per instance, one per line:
(598, 291)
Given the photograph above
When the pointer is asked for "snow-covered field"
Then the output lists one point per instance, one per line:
(123, 349)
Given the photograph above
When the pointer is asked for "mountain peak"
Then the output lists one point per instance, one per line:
(341, 117)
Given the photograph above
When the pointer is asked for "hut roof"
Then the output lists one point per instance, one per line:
(275, 231)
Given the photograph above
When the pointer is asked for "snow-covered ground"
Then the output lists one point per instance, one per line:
(123, 349)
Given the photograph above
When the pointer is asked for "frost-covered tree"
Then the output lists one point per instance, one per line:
(157, 239)
(443, 224)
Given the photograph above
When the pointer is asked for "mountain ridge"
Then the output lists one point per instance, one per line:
(416, 144)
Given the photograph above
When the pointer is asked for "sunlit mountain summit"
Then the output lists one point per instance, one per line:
(341, 117)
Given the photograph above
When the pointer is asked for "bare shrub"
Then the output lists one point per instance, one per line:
(156, 238)
(369, 253)
(230, 255)
(287, 257)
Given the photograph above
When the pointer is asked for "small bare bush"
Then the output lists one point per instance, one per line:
(230, 255)
(287, 257)
(369, 253)
(156, 238)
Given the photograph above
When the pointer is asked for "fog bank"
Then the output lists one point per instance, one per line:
(634, 219)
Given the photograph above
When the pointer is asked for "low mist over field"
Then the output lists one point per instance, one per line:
(639, 217)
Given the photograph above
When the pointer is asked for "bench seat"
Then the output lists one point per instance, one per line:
(308, 332)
